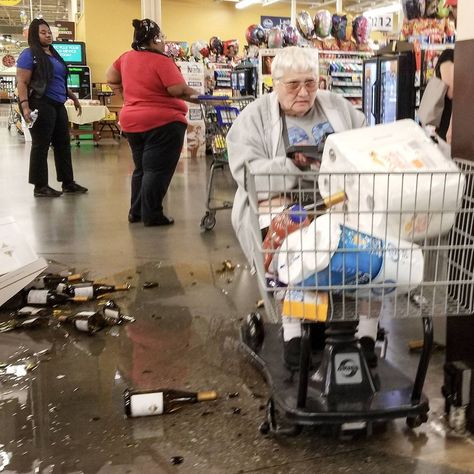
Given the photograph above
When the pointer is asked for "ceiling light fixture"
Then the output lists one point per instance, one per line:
(246, 3)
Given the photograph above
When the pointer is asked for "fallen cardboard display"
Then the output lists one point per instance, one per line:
(19, 264)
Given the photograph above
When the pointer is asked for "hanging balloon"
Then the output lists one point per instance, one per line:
(322, 22)
(339, 26)
(231, 47)
(183, 49)
(431, 8)
(275, 38)
(413, 8)
(255, 34)
(305, 24)
(443, 9)
(290, 36)
(361, 29)
(216, 46)
(350, 20)
(197, 49)
(172, 49)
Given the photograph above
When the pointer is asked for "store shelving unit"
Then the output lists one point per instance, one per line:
(222, 76)
(7, 86)
(341, 72)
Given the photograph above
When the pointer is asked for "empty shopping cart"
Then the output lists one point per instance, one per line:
(219, 114)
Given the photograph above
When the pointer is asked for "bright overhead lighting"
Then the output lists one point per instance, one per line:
(395, 7)
(246, 3)
(265, 3)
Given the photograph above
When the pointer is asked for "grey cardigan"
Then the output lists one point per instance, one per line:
(255, 138)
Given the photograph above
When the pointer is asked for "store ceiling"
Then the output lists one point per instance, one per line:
(10, 22)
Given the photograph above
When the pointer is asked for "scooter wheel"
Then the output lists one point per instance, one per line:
(264, 428)
(416, 421)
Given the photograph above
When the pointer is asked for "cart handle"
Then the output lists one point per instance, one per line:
(214, 97)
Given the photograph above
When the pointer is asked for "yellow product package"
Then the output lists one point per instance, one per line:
(311, 305)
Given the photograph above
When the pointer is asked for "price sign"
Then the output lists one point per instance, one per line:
(382, 22)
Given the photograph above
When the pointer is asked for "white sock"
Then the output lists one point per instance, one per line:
(291, 328)
(367, 327)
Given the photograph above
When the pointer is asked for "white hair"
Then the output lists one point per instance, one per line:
(294, 60)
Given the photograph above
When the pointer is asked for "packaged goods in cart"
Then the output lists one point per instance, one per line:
(341, 256)
(309, 305)
(283, 224)
(396, 179)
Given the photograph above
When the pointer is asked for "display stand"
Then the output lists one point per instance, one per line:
(341, 72)
(195, 139)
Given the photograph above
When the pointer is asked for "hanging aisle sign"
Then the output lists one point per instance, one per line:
(9, 3)
(382, 22)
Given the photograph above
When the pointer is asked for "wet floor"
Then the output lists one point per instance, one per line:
(61, 403)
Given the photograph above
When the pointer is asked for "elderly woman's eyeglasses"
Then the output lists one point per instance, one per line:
(295, 86)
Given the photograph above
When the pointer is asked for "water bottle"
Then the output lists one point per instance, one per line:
(33, 117)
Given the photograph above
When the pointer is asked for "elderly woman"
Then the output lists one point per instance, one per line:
(295, 113)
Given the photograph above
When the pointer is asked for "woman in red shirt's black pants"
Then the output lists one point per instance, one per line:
(153, 118)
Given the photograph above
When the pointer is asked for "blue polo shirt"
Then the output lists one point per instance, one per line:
(56, 88)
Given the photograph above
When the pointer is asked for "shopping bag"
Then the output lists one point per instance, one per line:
(432, 103)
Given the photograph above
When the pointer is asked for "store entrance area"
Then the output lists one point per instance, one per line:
(61, 403)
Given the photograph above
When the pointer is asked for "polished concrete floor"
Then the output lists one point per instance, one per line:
(61, 407)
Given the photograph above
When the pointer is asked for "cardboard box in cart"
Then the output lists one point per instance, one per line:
(19, 264)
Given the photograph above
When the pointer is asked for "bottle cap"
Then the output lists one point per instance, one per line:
(206, 396)
(297, 213)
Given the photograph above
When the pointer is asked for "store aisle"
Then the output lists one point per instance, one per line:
(66, 415)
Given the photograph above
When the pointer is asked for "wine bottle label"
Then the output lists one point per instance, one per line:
(146, 404)
(112, 314)
(29, 310)
(61, 288)
(37, 297)
(85, 313)
(87, 291)
(82, 325)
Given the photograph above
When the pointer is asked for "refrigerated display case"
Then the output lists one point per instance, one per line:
(389, 88)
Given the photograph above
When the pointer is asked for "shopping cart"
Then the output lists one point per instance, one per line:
(14, 115)
(411, 256)
(219, 113)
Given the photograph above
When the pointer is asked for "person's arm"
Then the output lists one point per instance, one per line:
(114, 79)
(23, 78)
(183, 91)
(447, 76)
(77, 104)
(247, 143)
(449, 133)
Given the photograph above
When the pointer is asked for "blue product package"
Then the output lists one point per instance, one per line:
(358, 259)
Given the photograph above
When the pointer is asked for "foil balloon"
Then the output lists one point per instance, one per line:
(323, 24)
(305, 24)
(275, 38)
(216, 45)
(361, 29)
(413, 8)
(198, 48)
(431, 8)
(290, 36)
(231, 47)
(443, 9)
(255, 34)
(339, 26)
(172, 49)
(350, 21)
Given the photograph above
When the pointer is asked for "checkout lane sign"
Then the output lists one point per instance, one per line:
(381, 22)
(9, 3)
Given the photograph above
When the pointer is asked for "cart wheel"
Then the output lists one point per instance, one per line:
(416, 421)
(254, 332)
(208, 221)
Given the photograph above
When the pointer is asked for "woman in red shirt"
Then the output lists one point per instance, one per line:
(153, 118)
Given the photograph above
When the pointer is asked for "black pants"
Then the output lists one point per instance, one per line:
(51, 127)
(155, 154)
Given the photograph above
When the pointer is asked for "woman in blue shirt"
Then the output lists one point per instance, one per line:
(42, 86)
